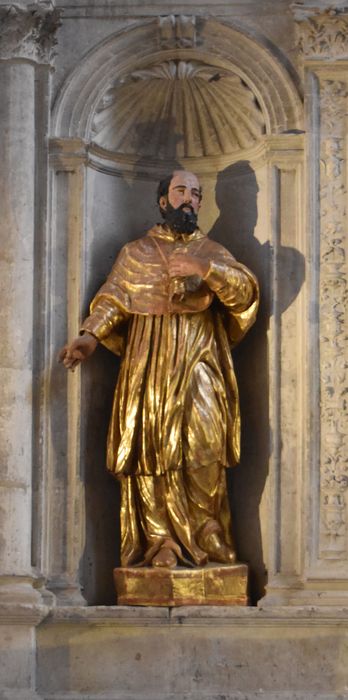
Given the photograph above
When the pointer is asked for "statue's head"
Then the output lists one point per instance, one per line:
(179, 198)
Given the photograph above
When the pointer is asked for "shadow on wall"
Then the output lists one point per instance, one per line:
(236, 198)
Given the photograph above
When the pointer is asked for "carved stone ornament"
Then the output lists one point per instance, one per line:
(333, 320)
(321, 34)
(178, 109)
(29, 32)
(177, 31)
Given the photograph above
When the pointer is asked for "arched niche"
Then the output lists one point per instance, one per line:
(212, 43)
(249, 158)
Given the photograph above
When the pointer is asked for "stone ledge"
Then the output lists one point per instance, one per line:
(106, 615)
(20, 694)
(125, 615)
(261, 695)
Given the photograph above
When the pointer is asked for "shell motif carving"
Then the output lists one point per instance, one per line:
(178, 109)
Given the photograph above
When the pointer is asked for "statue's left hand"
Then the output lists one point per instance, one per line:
(185, 265)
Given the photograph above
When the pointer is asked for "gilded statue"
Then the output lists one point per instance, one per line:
(173, 306)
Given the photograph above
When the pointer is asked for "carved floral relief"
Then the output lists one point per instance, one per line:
(322, 34)
(333, 320)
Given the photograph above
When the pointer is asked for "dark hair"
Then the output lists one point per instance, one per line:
(163, 187)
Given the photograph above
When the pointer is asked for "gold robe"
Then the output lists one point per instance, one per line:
(176, 401)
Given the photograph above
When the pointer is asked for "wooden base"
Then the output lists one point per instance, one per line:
(214, 584)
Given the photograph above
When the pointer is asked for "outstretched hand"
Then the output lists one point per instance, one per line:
(78, 351)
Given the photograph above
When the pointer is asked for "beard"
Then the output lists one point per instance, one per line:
(179, 220)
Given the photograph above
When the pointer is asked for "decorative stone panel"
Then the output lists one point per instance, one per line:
(333, 318)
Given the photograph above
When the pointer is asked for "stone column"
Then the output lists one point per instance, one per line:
(26, 41)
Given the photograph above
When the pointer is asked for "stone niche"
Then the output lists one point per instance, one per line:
(193, 93)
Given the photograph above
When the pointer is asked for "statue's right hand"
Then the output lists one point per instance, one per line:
(78, 351)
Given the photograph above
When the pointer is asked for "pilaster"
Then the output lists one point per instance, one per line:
(64, 514)
(287, 340)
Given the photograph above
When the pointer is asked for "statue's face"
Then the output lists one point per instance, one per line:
(184, 190)
(181, 205)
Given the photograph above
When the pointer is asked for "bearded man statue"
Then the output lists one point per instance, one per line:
(174, 304)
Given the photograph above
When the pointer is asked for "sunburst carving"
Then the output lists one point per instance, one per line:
(178, 109)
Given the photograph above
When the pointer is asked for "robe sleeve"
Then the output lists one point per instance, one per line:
(237, 289)
(109, 312)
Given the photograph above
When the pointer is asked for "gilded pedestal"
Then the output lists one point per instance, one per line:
(215, 584)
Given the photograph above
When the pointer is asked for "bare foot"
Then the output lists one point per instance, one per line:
(165, 558)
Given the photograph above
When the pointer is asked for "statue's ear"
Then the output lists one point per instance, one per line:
(163, 202)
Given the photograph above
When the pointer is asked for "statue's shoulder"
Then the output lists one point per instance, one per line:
(137, 251)
(141, 243)
(215, 249)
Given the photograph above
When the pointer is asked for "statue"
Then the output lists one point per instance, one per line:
(173, 305)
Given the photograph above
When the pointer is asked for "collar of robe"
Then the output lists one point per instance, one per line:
(165, 233)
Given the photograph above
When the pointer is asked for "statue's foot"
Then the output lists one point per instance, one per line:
(217, 550)
(165, 557)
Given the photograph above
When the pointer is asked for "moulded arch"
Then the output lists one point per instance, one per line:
(217, 43)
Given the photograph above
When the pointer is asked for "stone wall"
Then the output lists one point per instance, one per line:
(98, 101)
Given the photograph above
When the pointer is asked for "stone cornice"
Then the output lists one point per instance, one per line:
(68, 154)
(321, 34)
(29, 32)
(152, 8)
